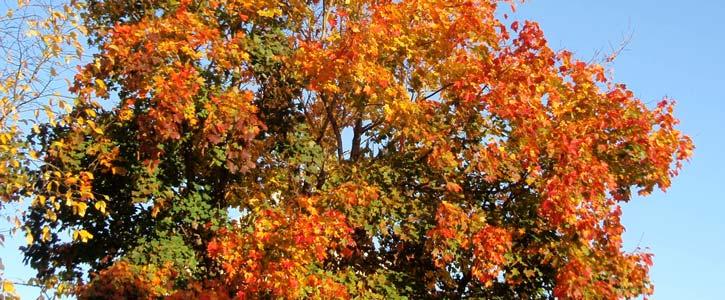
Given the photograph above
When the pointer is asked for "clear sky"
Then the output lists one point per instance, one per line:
(676, 50)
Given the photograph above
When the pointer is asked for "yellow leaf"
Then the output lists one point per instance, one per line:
(8, 286)
(269, 13)
(82, 235)
(100, 206)
(80, 208)
(91, 113)
(50, 215)
(46, 234)
(101, 86)
(29, 238)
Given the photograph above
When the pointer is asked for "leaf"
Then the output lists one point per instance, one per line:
(82, 235)
(100, 86)
(29, 238)
(453, 187)
(46, 236)
(80, 208)
(8, 287)
(100, 206)
(269, 13)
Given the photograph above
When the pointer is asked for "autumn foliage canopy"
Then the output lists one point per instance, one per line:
(370, 149)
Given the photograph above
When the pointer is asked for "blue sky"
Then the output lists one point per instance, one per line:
(676, 50)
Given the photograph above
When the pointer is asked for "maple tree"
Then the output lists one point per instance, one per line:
(341, 149)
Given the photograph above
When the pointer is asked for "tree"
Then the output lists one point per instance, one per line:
(371, 149)
(38, 43)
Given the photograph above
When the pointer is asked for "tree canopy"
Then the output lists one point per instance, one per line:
(339, 149)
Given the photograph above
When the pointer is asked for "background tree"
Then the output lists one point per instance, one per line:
(372, 149)
(38, 44)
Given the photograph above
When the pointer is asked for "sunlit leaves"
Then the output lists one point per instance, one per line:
(280, 250)
(8, 288)
(369, 149)
(82, 235)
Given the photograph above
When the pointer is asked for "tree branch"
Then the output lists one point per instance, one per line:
(437, 91)
(333, 122)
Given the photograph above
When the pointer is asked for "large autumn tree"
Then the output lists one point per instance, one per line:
(341, 149)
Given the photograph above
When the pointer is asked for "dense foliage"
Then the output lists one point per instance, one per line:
(340, 149)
